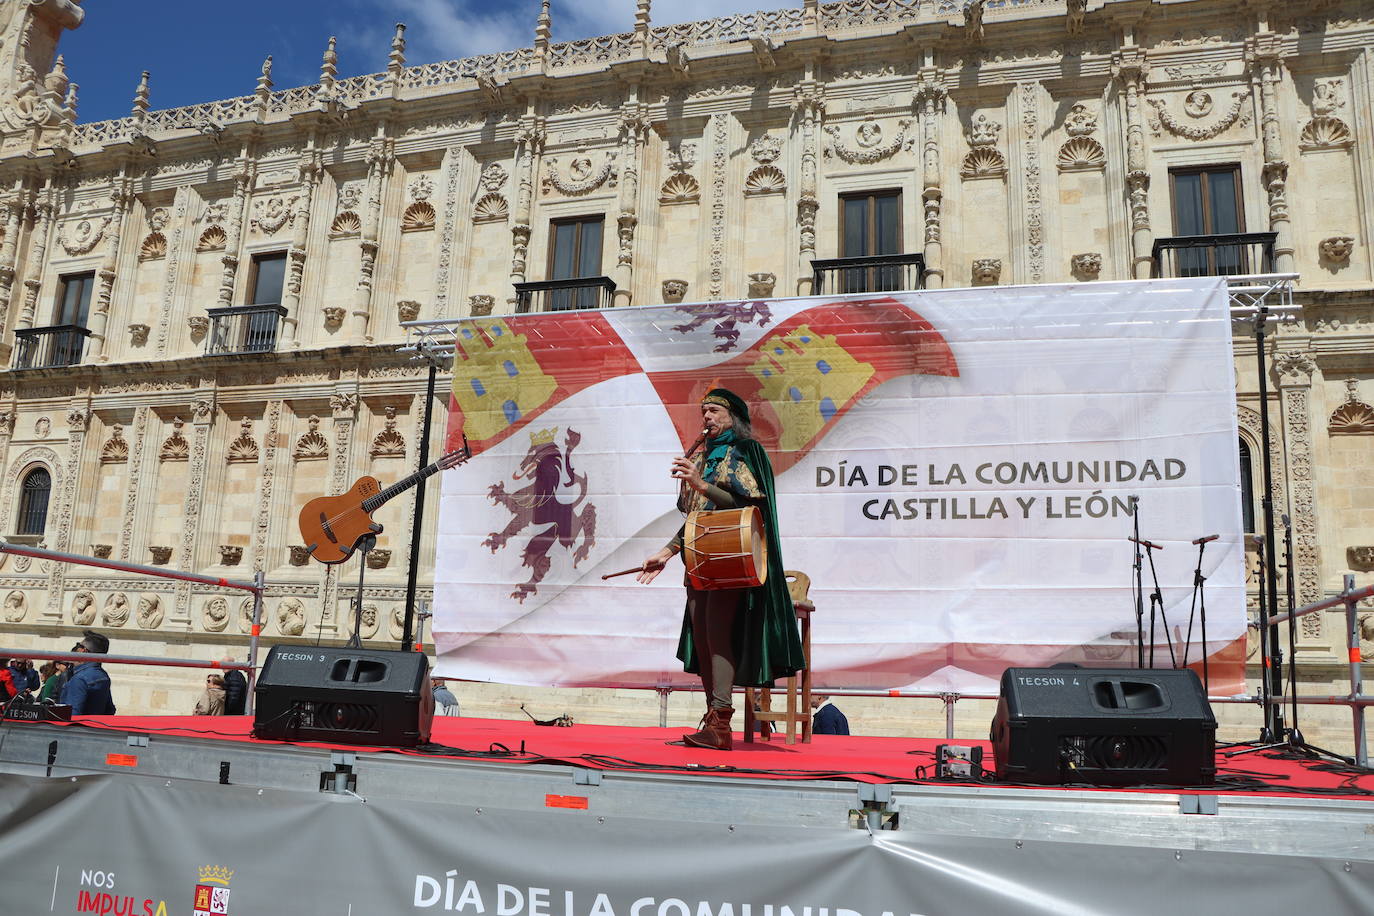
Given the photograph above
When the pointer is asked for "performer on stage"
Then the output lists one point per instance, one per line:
(741, 636)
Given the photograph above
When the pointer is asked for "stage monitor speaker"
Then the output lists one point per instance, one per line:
(1104, 726)
(344, 696)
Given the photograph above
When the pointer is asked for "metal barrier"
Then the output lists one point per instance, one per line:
(255, 588)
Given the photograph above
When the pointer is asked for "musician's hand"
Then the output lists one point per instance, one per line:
(685, 469)
(653, 566)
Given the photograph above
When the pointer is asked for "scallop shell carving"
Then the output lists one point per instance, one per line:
(153, 247)
(983, 162)
(418, 217)
(766, 179)
(490, 208)
(1081, 153)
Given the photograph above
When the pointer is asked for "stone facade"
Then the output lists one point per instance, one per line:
(1032, 142)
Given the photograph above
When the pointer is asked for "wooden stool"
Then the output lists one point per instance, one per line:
(798, 686)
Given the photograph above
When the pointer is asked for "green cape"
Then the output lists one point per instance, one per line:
(766, 640)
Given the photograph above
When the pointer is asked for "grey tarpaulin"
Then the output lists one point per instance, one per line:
(133, 845)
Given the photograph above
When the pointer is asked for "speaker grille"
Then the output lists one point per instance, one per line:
(337, 717)
(1114, 752)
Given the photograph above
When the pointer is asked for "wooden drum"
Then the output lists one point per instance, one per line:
(725, 548)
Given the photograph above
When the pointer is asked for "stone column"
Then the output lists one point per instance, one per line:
(1130, 70)
(12, 213)
(634, 130)
(808, 108)
(123, 198)
(344, 406)
(380, 157)
(310, 168)
(263, 515)
(37, 259)
(78, 419)
(930, 101)
(202, 417)
(529, 142)
(1295, 369)
(244, 172)
(1264, 53)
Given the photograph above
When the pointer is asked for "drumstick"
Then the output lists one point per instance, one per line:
(623, 572)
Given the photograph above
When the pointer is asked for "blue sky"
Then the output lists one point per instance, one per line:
(198, 51)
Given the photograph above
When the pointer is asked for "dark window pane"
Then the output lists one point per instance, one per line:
(855, 242)
(888, 224)
(270, 276)
(75, 302)
(564, 251)
(33, 502)
(1221, 193)
(1188, 216)
(589, 258)
(1247, 489)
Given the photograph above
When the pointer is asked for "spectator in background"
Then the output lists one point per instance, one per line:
(53, 679)
(211, 702)
(445, 703)
(826, 718)
(23, 675)
(235, 690)
(7, 687)
(87, 690)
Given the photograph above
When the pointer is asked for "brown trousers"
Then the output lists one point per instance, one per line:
(713, 624)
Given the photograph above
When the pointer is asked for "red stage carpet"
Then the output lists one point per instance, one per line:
(864, 759)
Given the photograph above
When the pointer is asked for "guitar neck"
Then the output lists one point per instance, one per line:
(373, 503)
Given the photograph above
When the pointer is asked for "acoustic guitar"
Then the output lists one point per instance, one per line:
(333, 525)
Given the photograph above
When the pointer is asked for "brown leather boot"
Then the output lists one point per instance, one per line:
(715, 730)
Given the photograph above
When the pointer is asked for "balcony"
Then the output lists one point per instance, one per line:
(1230, 255)
(243, 329)
(883, 273)
(561, 295)
(46, 348)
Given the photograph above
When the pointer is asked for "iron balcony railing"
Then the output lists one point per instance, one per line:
(1228, 255)
(883, 273)
(243, 329)
(44, 348)
(560, 295)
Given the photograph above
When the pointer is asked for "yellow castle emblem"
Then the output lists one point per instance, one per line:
(496, 379)
(808, 378)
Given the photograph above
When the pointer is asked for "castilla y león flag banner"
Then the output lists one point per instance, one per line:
(959, 474)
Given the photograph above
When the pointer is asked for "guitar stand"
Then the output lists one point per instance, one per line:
(363, 548)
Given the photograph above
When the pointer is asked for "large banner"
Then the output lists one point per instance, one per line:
(123, 845)
(959, 474)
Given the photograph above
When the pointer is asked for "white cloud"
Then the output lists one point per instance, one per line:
(447, 29)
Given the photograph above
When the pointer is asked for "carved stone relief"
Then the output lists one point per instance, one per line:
(150, 612)
(479, 306)
(491, 208)
(1081, 151)
(83, 608)
(1325, 131)
(334, 316)
(312, 445)
(418, 217)
(389, 443)
(680, 188)
(244, 448)
(984, 159)
(16, 606)
(583, 175)
(291, 617)
(1336, 249)
(270, 215)
(370, 621)
(175, 447)
(80, 236)
(870, 142)
(674, 290)
(1360, 559)
(116, 611)
(153, 248)
(493, 177)
(766, 179)
(1352, 418)
(246, 615)
(138, 334)
(1087, 266)
(215, 614)
(347, 224)
(407, 310)
(1198, 104)
(116, 448)
(761, 285)
(161, 554)
(230, 554)
(987, 271)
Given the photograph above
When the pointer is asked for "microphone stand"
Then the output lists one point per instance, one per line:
(1139, 586)
(1294, 736)
(1157, 599)
(1199, 602)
